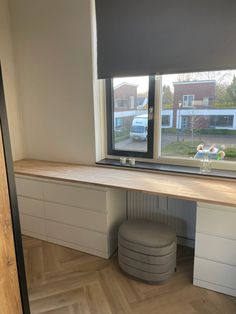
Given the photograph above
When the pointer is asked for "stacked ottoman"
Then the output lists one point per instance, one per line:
(147, 250)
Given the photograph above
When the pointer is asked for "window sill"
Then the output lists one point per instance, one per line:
(168, 168)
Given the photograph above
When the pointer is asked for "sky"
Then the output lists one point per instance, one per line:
(224, 77)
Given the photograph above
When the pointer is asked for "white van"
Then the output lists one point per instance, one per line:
(139, 128)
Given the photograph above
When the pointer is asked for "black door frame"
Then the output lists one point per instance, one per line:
(13, 201)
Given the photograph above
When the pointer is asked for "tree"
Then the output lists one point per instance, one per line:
(231, 90)
(167, 95)
(221, 77)
(222, 95)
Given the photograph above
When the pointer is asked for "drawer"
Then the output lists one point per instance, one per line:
(75, 235)
(76, 216)
(75, 196)
(215, 248)
(31, 206)
(215, 273)
(30, 188)
(217, 222)
(32, 224)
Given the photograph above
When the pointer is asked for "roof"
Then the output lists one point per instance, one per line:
(125, 83)
(195, 82)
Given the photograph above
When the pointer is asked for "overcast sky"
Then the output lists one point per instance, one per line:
(224, 77)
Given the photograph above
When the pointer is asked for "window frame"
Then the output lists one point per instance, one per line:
(192, 102)
(149, 154)
(157, 128)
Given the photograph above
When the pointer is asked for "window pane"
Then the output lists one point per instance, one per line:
(130, 113)
(199, 115)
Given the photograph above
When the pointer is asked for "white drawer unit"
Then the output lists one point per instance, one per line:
(77, 217)
(216, 220)
(212, 274)
(80, 216)
(215, 250)
(79, 236)
(33, 225)
(82, 197)
(30, 206)
(29, 187)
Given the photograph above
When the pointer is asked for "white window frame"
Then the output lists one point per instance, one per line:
(187, 105)
(157, 158)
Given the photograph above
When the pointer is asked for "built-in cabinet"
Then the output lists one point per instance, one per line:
(87, 218)
(82, 217)
(215, 248)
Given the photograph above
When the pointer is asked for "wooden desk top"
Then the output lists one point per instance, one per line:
(216, 191)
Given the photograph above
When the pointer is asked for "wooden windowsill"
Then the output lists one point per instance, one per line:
(209, 190)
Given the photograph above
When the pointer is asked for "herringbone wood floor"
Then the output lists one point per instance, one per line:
(64, 281)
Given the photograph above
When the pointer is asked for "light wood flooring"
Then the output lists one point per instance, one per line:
(65, 281)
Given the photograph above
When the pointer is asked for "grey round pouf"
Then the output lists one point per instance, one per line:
(147, 250)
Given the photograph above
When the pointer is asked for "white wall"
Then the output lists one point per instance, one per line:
(52, 41)
(10, 84)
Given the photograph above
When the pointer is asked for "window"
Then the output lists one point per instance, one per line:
(165, 121)
(206, 119)
(188, 100)
(221, 121)
(196, 111)
(134, 135)
(119, 123)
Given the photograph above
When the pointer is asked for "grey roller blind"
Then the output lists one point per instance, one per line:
(140, 37)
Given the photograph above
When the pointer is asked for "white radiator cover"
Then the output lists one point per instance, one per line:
(179, 214)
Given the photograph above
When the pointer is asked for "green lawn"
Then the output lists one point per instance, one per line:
(121, 135)
(187, 149)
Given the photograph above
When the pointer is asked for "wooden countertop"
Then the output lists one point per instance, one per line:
(216, 191)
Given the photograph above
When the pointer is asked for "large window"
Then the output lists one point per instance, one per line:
(130, 110)
(195, 112)
(204, 115)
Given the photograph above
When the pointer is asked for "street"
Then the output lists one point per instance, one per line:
(218, 140)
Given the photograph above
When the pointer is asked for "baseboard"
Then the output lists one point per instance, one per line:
(214, 287)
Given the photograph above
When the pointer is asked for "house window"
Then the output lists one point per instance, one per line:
(221, 121)
(165, 121)
(193, 108)
(119, 123)
(135, 137)
(188, 100)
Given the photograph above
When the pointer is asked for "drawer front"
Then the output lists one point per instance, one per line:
(215, 248)
(79, 236)
(31, 206)
(32, 224)
(77, 217)
(75, 196)
(217, 222)
(216, 273)
(30, 188)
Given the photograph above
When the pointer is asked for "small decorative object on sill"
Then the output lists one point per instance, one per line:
(123, 161)
(132, 161)
(211, 153)
(206, 164)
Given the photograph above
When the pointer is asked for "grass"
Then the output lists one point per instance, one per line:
(200, 131)
(121, 135)
(230, 152)
(187, 149)
(181, 149)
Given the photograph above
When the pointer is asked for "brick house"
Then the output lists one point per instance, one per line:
(191, 98)
(125, 97)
